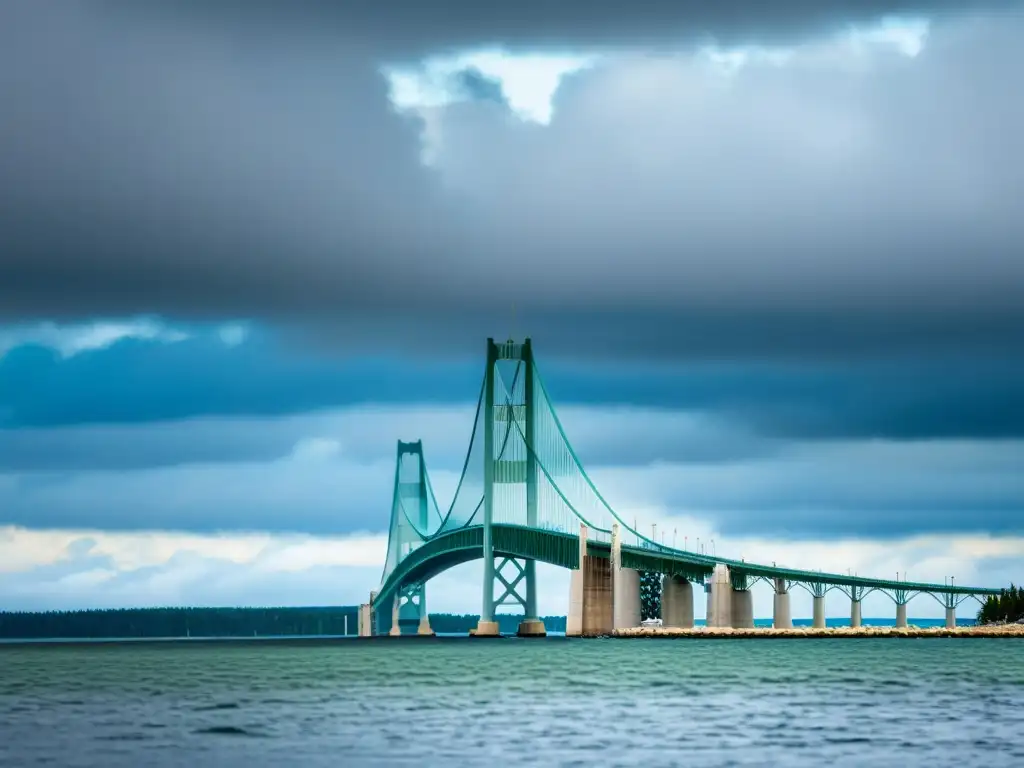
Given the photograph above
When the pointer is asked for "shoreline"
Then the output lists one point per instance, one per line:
(653, 633)
(1001, 630)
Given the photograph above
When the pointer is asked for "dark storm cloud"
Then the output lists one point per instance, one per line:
(853, 489)
(150, 165)
(747, 405)
(802, 490)
(193, 160)
(401, 28)
(135, 381)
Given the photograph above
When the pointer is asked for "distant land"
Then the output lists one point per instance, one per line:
(324, 621)
(220, 622)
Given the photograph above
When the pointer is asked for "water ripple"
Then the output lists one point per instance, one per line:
(620, 702)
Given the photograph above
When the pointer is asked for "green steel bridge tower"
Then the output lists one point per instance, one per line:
(523, 496)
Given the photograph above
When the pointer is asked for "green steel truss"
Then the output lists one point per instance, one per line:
(510, 579)
(523, 496)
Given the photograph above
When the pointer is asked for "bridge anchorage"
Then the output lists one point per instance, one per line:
(524, 496)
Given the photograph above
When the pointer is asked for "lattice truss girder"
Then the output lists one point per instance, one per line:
(510, 572)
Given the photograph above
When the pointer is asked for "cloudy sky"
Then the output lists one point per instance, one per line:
(771, 256)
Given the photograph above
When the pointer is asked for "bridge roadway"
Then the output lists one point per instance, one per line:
(604, 591)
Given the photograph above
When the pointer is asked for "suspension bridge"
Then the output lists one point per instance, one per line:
(524, 496)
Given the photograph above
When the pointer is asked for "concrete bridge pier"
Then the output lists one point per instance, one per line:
(424, 627)
(720, 598)
(598, 603)
(819, 612)
(676, 602)
(782, 617)
(531, 625)
(742, 609)
(855, 613)
(950, 617)
(901, 615)
(590, 595)
(396, 605)
(365, 616)
(365, 625)
(531, 628)
(574, 619)
(625, 588)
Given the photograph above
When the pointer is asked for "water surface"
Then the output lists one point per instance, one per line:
(552, 702)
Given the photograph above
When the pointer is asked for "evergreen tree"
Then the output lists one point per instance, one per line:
(650, 595)
(1007, 606)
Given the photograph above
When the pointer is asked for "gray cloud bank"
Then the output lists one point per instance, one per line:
(408, 27)
(174, 163)
(333, 473)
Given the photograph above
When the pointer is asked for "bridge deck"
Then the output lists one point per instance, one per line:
(562, 549)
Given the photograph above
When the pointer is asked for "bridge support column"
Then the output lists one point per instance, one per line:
(597, 597)
(598, 601)
(950, 617)
(365, 620)
(396, 606)
(531, 625)
(424, 627)
(676, 602)
(782, 617)
(591, 601)
(856, 595)
(625, 588)
(819, 612)
(532, 628)
(720, 598)
(487, 626)
(574, 619)
(742, 609)
(901, 615)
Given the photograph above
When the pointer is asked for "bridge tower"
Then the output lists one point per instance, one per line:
(499, 470)
(409, 524)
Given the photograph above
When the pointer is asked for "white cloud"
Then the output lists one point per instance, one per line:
(528, 81)
(45, 569)
(908, 36)
(70, 340)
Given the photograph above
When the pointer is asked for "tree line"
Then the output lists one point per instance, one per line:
(1007, 606)
(179, 622)
(124, 623)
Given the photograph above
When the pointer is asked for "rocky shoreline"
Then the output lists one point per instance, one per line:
(991, 630)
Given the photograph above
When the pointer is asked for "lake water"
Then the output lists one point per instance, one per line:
(463, 702)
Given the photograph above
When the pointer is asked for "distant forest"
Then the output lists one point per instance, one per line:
(1008, 606)
(219, 622)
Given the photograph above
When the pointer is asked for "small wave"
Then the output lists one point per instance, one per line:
(214, 707)
(847, 740)
(228, 730)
